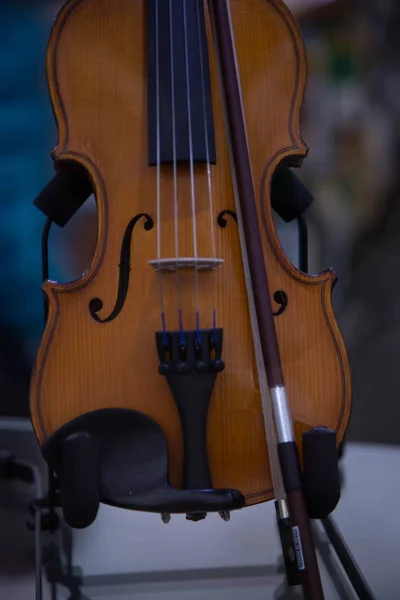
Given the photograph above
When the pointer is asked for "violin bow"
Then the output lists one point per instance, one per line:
(254, 263)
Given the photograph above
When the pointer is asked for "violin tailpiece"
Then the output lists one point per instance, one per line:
(190, 361)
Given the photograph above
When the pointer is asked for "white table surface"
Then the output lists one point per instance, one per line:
(126, 554)
(121, 542)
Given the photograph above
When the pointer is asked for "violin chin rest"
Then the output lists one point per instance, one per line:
(119, 457)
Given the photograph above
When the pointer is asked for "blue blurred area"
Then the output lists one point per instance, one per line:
(27, 136)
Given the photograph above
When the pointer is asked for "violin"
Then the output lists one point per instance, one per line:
(182, 372)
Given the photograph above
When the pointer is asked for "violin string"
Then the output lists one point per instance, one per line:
(192, 187)
(209, 182)
(160, 275)
(269, 422)
(176, 207)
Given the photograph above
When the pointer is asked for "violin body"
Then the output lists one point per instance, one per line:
(99, 347)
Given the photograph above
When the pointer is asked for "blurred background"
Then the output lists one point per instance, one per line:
(351, 122)
(27, 137)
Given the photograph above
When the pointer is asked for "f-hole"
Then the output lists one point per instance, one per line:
(280, 297)
(96, 304)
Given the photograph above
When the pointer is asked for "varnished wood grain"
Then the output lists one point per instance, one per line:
(97, 77)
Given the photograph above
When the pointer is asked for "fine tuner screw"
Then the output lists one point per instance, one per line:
(166, 517)
(225, 515)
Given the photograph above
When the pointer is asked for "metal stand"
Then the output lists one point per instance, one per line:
(42, 515)
(347, 561)
(343, 553)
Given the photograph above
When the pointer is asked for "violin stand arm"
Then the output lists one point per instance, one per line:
(322, 486)
(42, 514)
(321, 457)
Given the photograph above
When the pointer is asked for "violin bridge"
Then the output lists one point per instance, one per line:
(173, 264)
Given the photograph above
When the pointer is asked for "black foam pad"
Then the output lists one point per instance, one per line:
(79, 479)
(290, 198)
(321, 472)
(63, 196)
